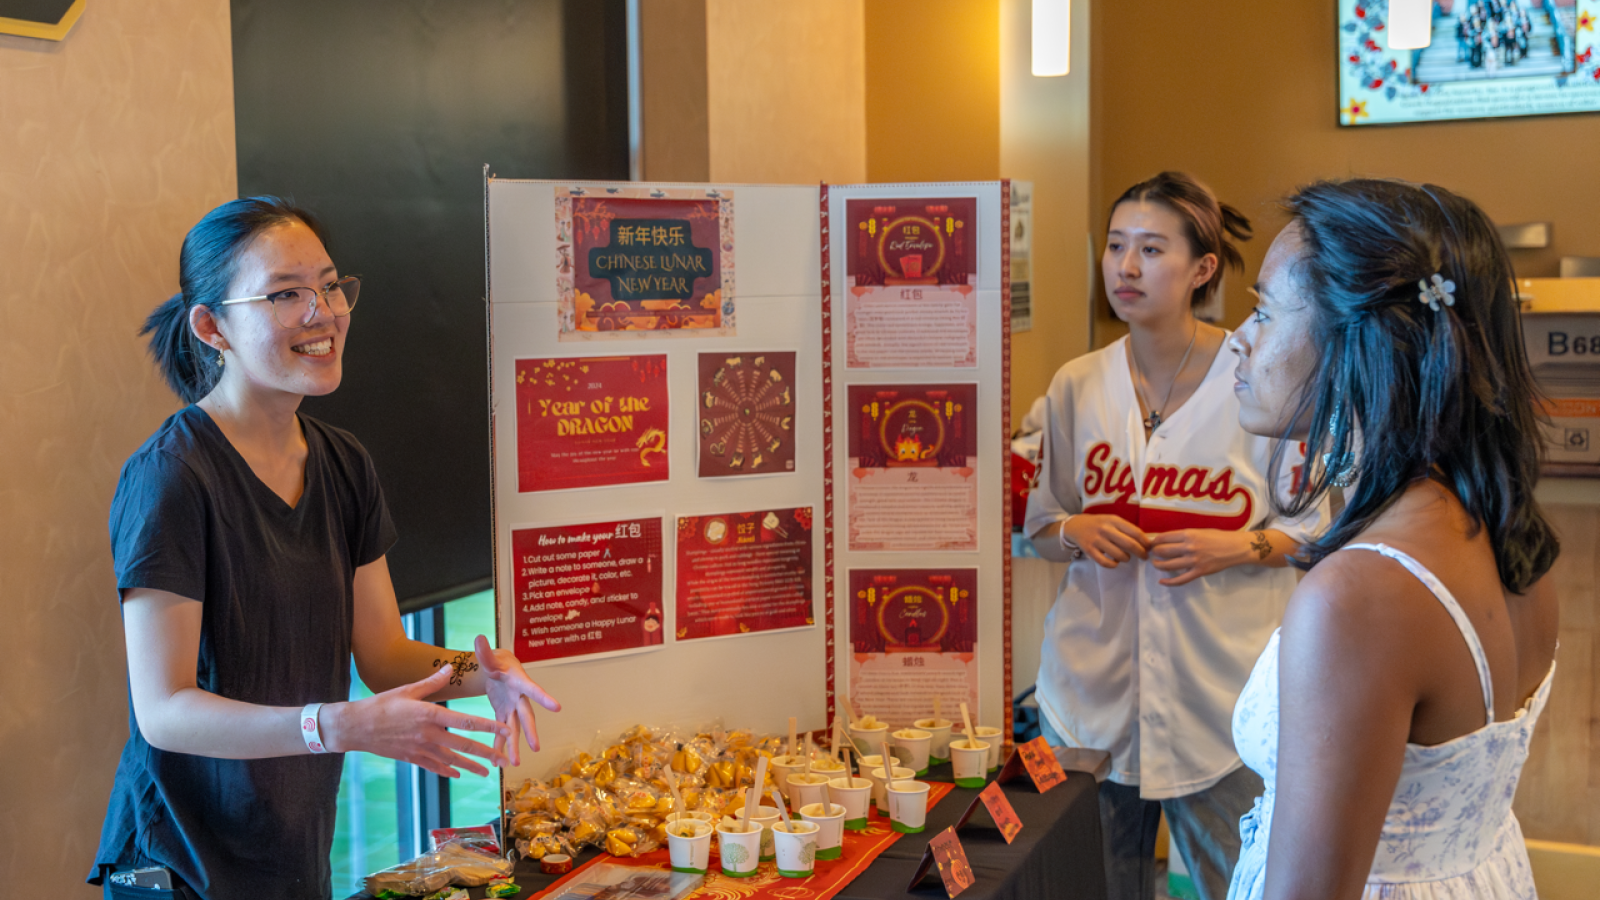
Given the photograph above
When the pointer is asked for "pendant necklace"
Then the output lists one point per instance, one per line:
(1153, 421)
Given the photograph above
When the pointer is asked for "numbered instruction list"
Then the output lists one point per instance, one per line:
(587, 589)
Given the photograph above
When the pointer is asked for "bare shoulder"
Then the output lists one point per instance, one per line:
(1364, 609)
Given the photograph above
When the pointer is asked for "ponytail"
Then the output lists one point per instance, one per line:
(178, 352)
(207, 265)
(1207, 223)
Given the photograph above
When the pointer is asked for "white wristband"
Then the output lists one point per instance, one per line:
(311, 730)
(1070, 547)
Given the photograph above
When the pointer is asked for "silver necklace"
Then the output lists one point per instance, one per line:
(1154, 420)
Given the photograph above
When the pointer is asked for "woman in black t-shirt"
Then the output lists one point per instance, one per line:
(249, 544)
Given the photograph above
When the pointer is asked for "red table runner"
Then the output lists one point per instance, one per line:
(828, 879)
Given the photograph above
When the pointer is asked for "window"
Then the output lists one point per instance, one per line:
(386, 808)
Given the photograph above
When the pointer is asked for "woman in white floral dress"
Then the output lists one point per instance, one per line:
(1391, 714)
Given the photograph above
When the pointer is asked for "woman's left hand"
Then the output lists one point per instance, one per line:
(512, 694)
(1192, 552)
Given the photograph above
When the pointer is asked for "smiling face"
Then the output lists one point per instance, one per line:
(265, 359)
(1150, 270)
(1274, 345)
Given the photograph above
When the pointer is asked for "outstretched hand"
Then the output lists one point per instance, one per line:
(512, 694)
(401, 724)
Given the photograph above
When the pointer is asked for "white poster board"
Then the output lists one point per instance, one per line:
(574, 532)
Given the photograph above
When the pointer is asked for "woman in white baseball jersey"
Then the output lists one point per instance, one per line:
(1160, 500)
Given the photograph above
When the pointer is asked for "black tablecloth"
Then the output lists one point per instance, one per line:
(1056, 855)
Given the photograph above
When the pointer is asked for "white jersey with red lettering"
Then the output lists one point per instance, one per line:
(1149, 672)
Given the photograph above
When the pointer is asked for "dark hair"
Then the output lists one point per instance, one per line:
(206, 268)
(1207, 222)
(1401, 391)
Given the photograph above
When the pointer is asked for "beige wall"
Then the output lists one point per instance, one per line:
(111, 145)
(1247, 101)
(932, 90)
(1045, 139)
(672, 85)
(785, 91)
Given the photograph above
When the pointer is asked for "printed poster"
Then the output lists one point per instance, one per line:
(746, 412)
(636, 260)
(912, 271)
(591, 421)
(913, 633)
(1516, 59)
(582, 590)
(913, 462)
(740, 573)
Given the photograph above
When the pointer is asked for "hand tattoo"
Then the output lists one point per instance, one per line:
(462, 664)
(1261, 545)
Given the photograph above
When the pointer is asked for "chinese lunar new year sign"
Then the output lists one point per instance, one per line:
(912, 270)
(587, 589)
(588, 422)
(641, 260)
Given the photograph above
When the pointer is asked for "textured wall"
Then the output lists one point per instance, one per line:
(111, 145)
(933, 90)
(1248, 102)
(785, 91)
(1044, 138)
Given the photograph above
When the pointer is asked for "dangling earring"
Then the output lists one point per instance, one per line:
(221, 360)
(1341, 472)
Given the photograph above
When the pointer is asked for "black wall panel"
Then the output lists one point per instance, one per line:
(379, 116)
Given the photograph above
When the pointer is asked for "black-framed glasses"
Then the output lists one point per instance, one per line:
(296, 307)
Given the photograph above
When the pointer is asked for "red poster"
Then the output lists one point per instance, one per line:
(913, 461)
(638, 259)
(911, 298)
(591, 421)
(587, 589)
(914, 241)
(746, 411)
(913, 633)
(740, 573)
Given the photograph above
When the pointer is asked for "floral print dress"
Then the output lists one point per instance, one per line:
(1450, 833)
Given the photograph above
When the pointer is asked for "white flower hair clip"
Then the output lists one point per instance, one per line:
(1441, 291)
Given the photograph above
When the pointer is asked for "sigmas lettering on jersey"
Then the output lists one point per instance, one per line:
(1105, 476)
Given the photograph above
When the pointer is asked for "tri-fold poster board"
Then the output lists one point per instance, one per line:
(750, 452)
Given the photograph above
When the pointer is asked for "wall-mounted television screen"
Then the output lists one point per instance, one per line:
(1487, 58)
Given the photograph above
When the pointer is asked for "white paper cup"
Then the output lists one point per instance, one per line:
(875, 761)
(740, 851)
(869, 738)
(796, 848)
(879, 798)
(908, 805)
(855, 795)
(766, 816)
(971, 763)
(830, 827)
(690, 854)
(805, 789)
(697, 815)
(990, 734)
(912, 745)
(781, 768)
(827, 766)
(939, 748)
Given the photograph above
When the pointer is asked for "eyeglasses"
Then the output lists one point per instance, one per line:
(296, 307)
